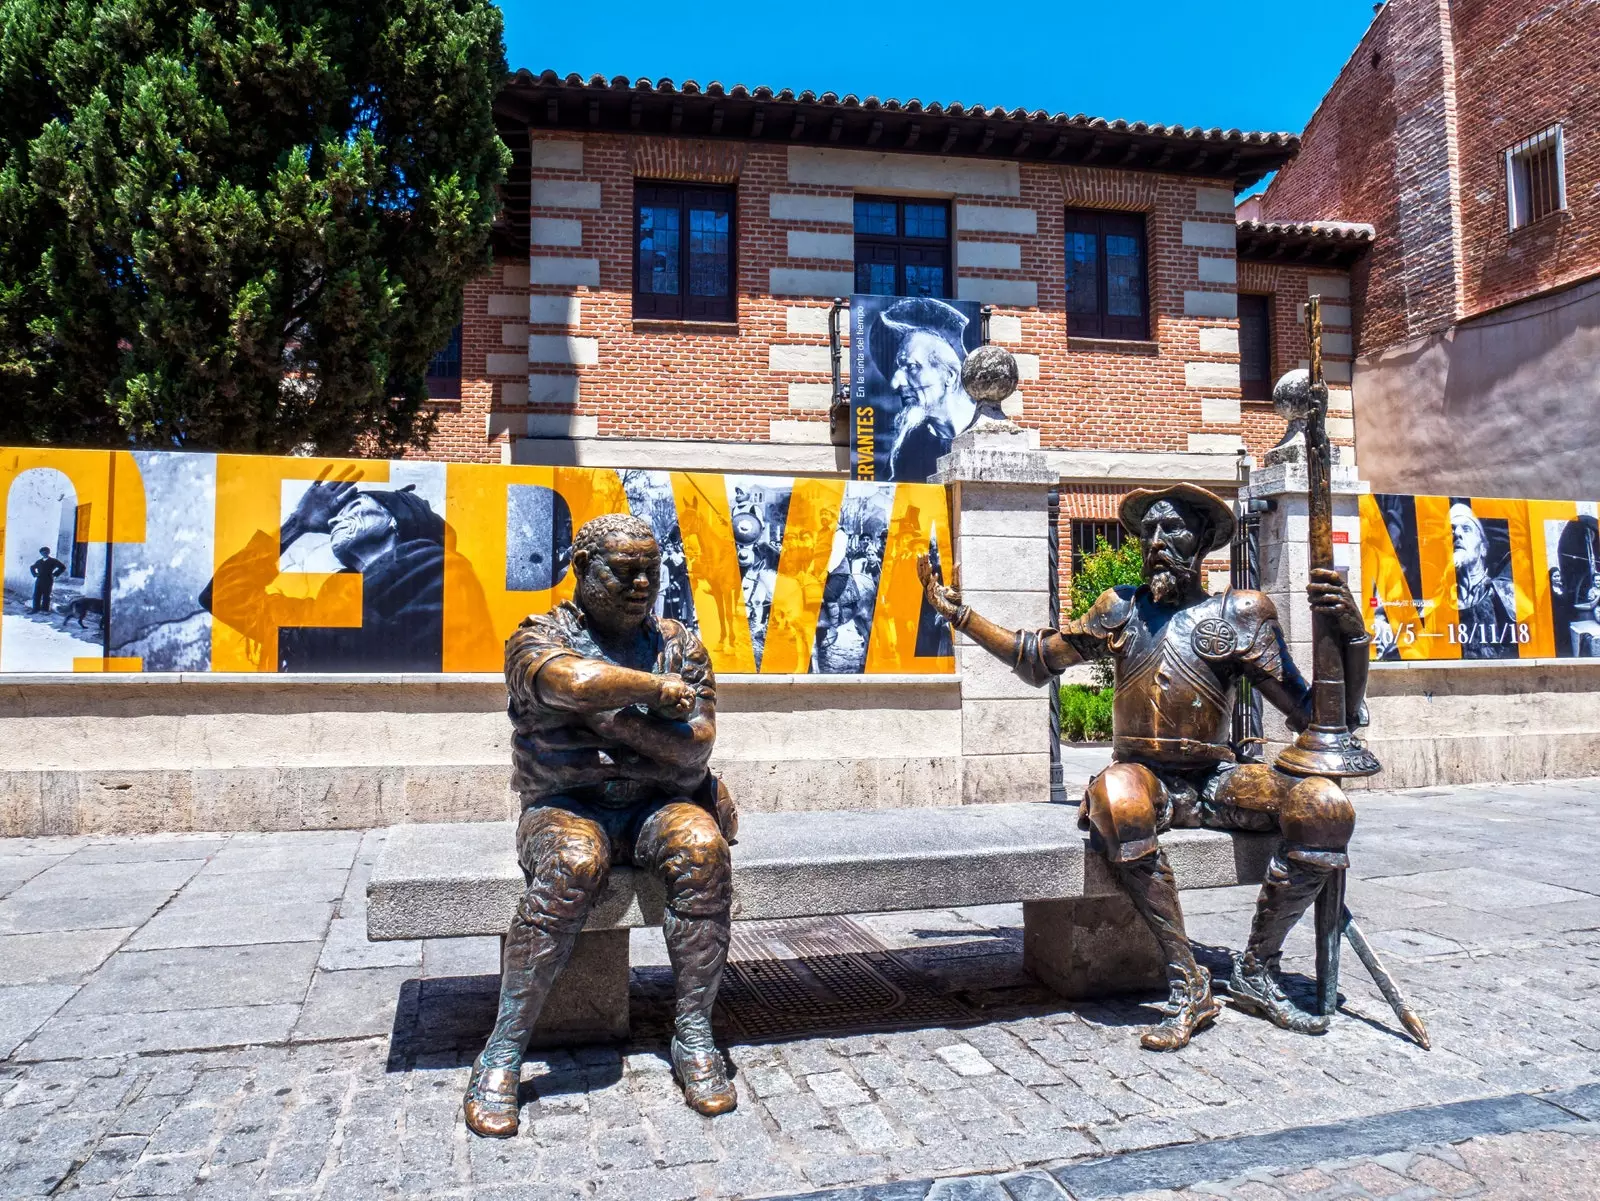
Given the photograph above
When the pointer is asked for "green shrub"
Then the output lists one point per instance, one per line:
(1085, 713)
(1104, 567)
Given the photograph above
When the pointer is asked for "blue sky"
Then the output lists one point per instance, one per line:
(1252, 64)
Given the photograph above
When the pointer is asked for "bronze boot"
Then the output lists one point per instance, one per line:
(698, 949)
(1288, 891)
(1191, 1010)
(536, 949)
(491, 1104)
(1148, 883)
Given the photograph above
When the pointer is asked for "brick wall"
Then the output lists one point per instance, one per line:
(596, 372)
(1410, 138)
(1379, 149)
(494, 368)
(1522, 67)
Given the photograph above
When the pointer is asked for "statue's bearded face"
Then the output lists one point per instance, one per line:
(617, 584)
(1171, 535)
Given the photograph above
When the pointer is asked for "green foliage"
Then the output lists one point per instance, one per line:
(1104, 567)
(1085, 713)
(239, 224)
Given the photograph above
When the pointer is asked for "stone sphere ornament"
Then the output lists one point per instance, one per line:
(1291, 397)
(989, 375)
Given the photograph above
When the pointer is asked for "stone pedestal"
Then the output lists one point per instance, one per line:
(1285, 551)
(1089, 947)
(589, 1003)
(1000, 489)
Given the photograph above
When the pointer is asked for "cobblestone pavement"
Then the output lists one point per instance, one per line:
(1544, 1165)
(201, 1015)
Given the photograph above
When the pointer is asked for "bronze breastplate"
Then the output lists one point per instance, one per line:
(1174, 688)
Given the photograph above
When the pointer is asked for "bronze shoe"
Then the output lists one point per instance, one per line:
(491, 1104)
(1255, 989)
(704, 1080)
(1192, 1007)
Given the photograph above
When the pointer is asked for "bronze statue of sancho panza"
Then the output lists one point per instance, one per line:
(615, 713)
(1178, 652)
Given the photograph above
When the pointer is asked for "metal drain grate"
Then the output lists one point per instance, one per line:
(825, 976)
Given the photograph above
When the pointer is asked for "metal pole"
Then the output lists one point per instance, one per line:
(839, 407)
(1058, 781)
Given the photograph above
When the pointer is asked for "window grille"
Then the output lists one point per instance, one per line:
(1536, 178)
(1087, 536)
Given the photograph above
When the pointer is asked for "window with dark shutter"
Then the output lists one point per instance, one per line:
(1255, 347)
(1106, 292)
(902, 247)
(683, 262)
(444, 369)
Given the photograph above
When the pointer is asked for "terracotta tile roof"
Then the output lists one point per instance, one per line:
(525, 79)
(1336, 243)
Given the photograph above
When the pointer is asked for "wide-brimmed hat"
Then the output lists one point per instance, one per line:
(1137, 503)
(915, 314)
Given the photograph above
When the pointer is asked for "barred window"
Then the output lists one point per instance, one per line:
(1087, 536)
(1536, 178)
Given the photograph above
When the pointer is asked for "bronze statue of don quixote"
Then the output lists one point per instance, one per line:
(1178, 653)
(614, 712)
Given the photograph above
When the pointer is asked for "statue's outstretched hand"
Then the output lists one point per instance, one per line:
(1330, 595)
(946, 602)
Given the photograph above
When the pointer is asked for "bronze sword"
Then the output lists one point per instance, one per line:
(1386, 984)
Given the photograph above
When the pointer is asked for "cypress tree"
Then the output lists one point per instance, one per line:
(239, 224)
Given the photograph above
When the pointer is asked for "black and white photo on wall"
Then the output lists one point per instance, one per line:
(906, 399)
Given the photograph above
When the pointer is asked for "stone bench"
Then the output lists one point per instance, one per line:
(1081, 937)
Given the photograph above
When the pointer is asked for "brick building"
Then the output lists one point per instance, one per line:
(1467, 133)
(564, 360)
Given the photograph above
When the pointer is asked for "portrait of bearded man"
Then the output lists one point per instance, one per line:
(918, 345)
(1486, 601)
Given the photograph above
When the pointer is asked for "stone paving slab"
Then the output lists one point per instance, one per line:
(297, 1069)
(19, 915)
(209, 922)
(180, 978)
(55, 957)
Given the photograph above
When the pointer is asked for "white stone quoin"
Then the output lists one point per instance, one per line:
(1000, 489)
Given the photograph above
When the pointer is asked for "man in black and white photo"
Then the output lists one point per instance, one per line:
(907, 398)
(1486, 599)
(1575, 588)
(397, 543)
(44, 570)
(925, 372)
